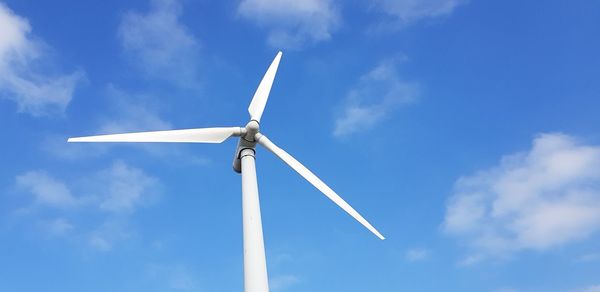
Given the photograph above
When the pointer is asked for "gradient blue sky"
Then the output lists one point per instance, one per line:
(467, 132)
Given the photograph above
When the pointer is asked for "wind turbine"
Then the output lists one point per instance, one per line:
(255, 267)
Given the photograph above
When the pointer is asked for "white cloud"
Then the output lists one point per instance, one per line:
(110, 196)
(126, 188)
(374, 98)
(21, 78)
(283, 282)
(160, 44)
(537, 200)
(119, 188)
(46, 190)
(293, 23)
(408, 11)
(417, 254)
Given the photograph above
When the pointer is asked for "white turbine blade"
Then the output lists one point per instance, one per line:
(204, 135)
(315, 181)
(259, 101)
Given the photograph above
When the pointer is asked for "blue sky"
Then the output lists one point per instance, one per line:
(465, 131)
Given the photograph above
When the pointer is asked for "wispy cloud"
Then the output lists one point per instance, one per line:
(293, 23)
(592, 288)
(117, 192)
(174, 277)
(110, 232)
(404, 12)
(56, 146)
(132, 112)
(589, 257)
(546, 197)
(417, 254)
(36, 91)
(160, 45)
(125, 188)
(58, 226)
(506, 289)
(377, 95)
(283, 282)
(111, 194)
(140, 112)
(46, 191)
(129, 112)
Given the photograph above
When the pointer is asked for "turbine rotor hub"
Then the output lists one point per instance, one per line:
(252, 128)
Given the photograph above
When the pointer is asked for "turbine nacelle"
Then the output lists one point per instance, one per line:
(248, 139)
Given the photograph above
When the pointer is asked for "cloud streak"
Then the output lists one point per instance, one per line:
(409, 11)
(292, 24)
(417, 254)
(160, 45)
(377, 95)
(22, 79)
(129, 112)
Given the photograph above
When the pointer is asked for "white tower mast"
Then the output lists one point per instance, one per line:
(255, 263)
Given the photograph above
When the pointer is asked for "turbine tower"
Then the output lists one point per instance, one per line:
(255, 266)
